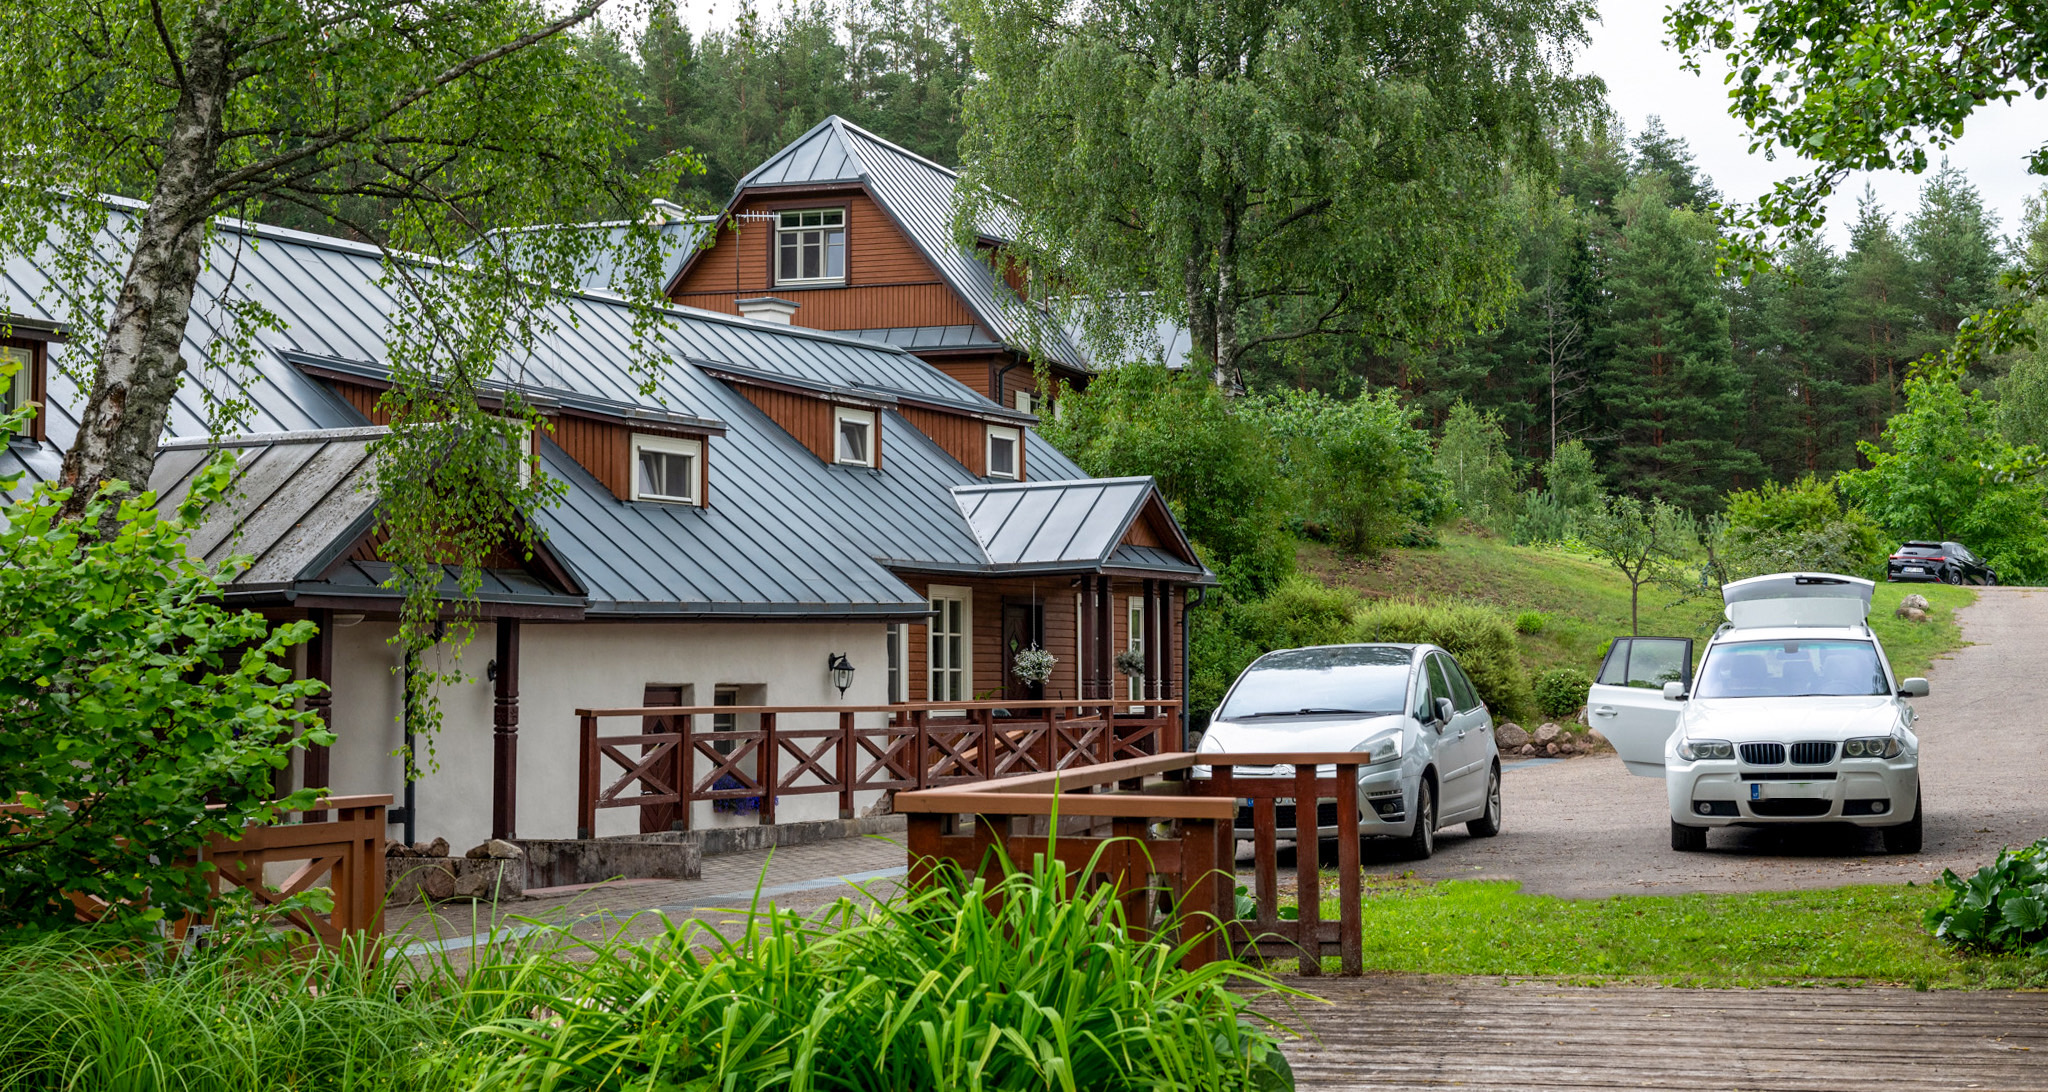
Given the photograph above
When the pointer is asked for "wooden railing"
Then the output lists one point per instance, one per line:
(900, 747)
(1165, 824)
(345, 849)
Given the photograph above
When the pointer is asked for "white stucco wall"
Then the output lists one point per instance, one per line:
(564, 666)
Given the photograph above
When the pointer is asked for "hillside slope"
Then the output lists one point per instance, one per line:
(1585, 603)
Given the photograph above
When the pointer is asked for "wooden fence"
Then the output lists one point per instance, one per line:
(346, 850)
(825, 749)
(1166, 826)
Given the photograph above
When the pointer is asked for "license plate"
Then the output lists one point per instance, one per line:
(1788, 790)
(1915, 569)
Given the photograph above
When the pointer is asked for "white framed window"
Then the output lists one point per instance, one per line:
(666, 469)
(952, 643)
(899, 663)
(1002, 451)
(853, 436)
(14, 390)
(1023, 401)
(1135, 641)
(810, 246)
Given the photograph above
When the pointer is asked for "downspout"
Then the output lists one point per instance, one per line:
(411, 808)
(996, 388)
(1187, 678)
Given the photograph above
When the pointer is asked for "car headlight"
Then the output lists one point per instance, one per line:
(1693, 750)
(1872, 747)
(1384, 747)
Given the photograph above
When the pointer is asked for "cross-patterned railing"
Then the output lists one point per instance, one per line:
(785, 751)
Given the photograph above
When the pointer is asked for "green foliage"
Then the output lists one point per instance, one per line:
(2003, 908)
(1261, 171)
(1561, 691)
(995, 984)
(1230, 631)
(1472, 455)
(1212, 462)
(1800, 527)
(1944, 472)
(1645, 543)
(142, 717)
(1364, 473)
(1482, 639)
(1571, 498)
(1528, 623)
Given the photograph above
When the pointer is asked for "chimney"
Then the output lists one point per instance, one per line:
(768, 309)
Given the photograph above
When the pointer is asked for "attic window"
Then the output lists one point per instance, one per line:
(1002, 452)
(810, 246)
(665, 469)
(854, 436)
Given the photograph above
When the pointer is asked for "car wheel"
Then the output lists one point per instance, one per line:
(1488, 825)
(1687, 839)
(1953, 577)
(1990, 580)
(1905, 838)
(1422, 842)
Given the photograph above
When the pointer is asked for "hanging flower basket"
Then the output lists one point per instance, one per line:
(1034, 664)
(1131, 662)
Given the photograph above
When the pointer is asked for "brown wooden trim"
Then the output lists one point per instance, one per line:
(38, 382)
(681, 296)
(316, 766)
(505, 732)
(387, 608)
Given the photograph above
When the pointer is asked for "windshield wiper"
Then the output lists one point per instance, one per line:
(1313, 711)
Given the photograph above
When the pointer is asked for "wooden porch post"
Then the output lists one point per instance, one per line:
(505, 734)
(1084, 656)
(1105, 638)
(1150, 640)
(320, 666)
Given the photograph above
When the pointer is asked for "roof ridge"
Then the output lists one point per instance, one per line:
(843, 124)
(272, 439)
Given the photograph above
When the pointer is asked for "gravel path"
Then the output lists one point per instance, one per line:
(1585, 827)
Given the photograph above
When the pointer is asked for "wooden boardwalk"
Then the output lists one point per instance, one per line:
(1414, 1033)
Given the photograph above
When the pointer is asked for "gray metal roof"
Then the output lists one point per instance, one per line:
(930, 337)
(294, 500)
(1054, 523)
(784, 534)
(918, 194)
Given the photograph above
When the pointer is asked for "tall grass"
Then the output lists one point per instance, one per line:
(983, 984)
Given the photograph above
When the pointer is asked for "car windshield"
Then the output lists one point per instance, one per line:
(1356, 680)
(1791, 669)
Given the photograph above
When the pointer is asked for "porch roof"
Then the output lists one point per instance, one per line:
(1079, 524)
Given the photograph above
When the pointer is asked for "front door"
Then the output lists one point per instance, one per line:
(1627, 704)
(655, 818)
(1023, 624)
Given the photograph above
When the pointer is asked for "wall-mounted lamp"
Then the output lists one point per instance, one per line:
(841, 670)
(491, 671)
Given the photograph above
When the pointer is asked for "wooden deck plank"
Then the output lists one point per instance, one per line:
(1482, 1033)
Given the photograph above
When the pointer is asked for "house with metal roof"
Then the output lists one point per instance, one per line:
(843, 230)
(781, 498)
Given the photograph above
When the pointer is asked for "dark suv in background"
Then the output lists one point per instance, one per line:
(1947, 562)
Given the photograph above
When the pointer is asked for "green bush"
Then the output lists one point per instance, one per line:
(1800, 527)
(932, 990)
(1230, 630)
(1480, 637)
(2004, 907)
(1531, 622)
(1561, 691)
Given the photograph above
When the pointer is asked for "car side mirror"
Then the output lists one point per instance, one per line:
(1913, 688)
(1444, 709)
(1674, 691)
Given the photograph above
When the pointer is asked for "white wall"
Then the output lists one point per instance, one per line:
(564, 666)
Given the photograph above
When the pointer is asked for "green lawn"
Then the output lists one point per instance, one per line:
(1849, 935)
(1586, 603)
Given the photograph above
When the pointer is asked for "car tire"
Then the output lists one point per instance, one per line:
(1952, 577)
(1421, 842)
(1488, 823)
(1687, 839)
(1905, 838)
(1990, 580)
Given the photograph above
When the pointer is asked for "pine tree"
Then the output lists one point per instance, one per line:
(1953, 244)
(1668, 386)
(1800, 389)
(1876, 315)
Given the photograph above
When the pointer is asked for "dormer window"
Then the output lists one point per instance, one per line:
(854, 430)
(666, 469)
(810, 246)
(14, 390)
(1002, 451)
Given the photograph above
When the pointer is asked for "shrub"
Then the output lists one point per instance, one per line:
(142, 717)
(1531, 622)
(1480, 637)
(1364, 473)
(1231, 630)
(2004, 907)
(1800, 527)
(1561, 691)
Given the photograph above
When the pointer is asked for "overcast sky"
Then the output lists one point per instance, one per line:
(1644, 78)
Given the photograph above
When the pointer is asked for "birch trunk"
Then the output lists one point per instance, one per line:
(139, 365)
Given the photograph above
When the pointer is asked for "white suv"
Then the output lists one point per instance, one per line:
(1794, 717)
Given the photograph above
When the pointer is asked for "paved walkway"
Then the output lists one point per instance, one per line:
(1420, 1033)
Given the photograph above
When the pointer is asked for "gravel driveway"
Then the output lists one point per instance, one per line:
(1585, 827)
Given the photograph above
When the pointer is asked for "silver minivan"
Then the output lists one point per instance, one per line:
(1430, 759)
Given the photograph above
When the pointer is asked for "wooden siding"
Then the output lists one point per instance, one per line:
(888, 280)
(974, 373)
(1059, 598)
(806, 418)
(364, 398)
(964, 438)
(1143, 533)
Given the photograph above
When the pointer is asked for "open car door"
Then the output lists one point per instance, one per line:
(1626, 703)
